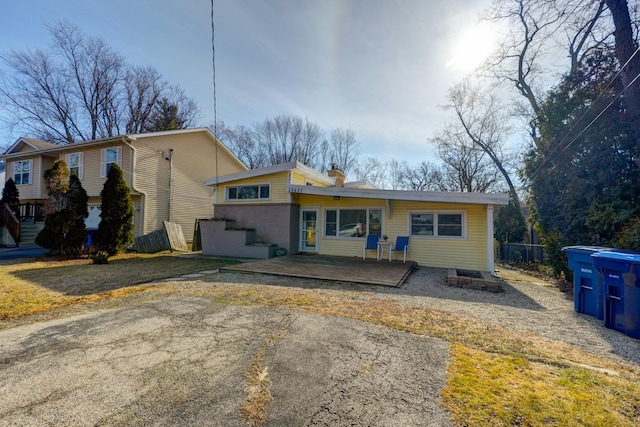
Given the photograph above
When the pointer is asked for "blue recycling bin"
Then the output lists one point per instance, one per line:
(621, 283)
(588, 295)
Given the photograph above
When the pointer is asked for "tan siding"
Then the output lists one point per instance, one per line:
(434, 252)
(193, 162)
(35, 190)
(25, 149)
(91, 180)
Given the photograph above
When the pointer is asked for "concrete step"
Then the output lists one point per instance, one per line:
(28, 233)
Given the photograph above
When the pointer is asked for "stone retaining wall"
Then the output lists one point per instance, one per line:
(486, 283)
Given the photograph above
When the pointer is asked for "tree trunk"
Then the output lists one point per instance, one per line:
(626, 52)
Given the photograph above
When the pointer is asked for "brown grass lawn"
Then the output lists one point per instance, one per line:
(36, 285)
(495, 377)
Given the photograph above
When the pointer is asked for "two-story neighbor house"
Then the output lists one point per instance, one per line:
(303, 210)
(164, 170)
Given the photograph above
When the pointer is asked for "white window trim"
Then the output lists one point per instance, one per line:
(67, 158)
(103, 159)
(436, 214)
(13, 175)
(338, 209)
(263, 184)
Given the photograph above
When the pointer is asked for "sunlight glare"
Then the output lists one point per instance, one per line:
(472, 46)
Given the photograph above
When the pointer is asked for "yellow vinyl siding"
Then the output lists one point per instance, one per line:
(278, 190)
(299, 179)
(334, 245)
(469, 252)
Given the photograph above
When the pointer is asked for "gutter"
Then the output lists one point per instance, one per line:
(127, 140)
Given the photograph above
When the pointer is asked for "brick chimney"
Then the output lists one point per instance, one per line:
(336, 173)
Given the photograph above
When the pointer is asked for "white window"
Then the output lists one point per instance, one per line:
(437, 224)
(75, 164)
(249, 192)
(349, 223)
(22, 172)
(109, 157)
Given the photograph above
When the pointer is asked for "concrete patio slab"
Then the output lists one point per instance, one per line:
(346, 269)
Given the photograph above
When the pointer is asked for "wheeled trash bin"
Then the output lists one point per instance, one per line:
(588, 295)
(621, 283)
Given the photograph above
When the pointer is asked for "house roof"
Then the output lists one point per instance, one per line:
(35, 144)
(361, 189)
(359, 184)
(43, 147)
(417, 196)
(282, 167)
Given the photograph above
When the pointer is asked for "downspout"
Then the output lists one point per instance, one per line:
(127, 140)
(170, 180)
(490, 246)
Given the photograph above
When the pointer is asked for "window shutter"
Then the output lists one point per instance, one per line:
(103, 163)
(80, 165)
(119, 156)
(30, 176)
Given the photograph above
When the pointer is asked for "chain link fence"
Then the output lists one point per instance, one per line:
(520, 252)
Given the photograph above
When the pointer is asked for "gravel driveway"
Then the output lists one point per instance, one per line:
(179, 359)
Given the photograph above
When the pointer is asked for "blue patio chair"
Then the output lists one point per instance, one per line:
(402, 245)
(370, 245)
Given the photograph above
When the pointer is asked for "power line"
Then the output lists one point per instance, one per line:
(215, 103)
(559, 144)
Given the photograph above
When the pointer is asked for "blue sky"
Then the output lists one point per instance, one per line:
(379, 67)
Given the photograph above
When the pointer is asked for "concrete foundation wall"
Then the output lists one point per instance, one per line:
(219, 238)
(274, 223)
(5, 238)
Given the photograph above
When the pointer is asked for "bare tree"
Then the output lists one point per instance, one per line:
(38, 96)
(82, 89)
(96, 73)
(240, 140)
(344, 149)
(144, 87)
(395, 171)
(288, 138)
(539, 33)
(370, 170)
(466, 167)
(484, 123)
(285, 138)
(425, 176)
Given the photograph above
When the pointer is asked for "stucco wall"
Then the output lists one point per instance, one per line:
(274, 223)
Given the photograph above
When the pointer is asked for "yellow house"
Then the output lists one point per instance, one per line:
(301, 210)
(164, 170)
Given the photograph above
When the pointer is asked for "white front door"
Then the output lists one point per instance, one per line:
(309, 230)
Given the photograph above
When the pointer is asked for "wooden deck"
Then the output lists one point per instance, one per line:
(345, 269)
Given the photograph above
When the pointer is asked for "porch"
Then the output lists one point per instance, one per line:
(324, 267)
(22, 222)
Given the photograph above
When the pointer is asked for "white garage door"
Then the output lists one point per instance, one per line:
(93, 219)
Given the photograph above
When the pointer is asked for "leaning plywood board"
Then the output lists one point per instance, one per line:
(177, 241)
(169, 238)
